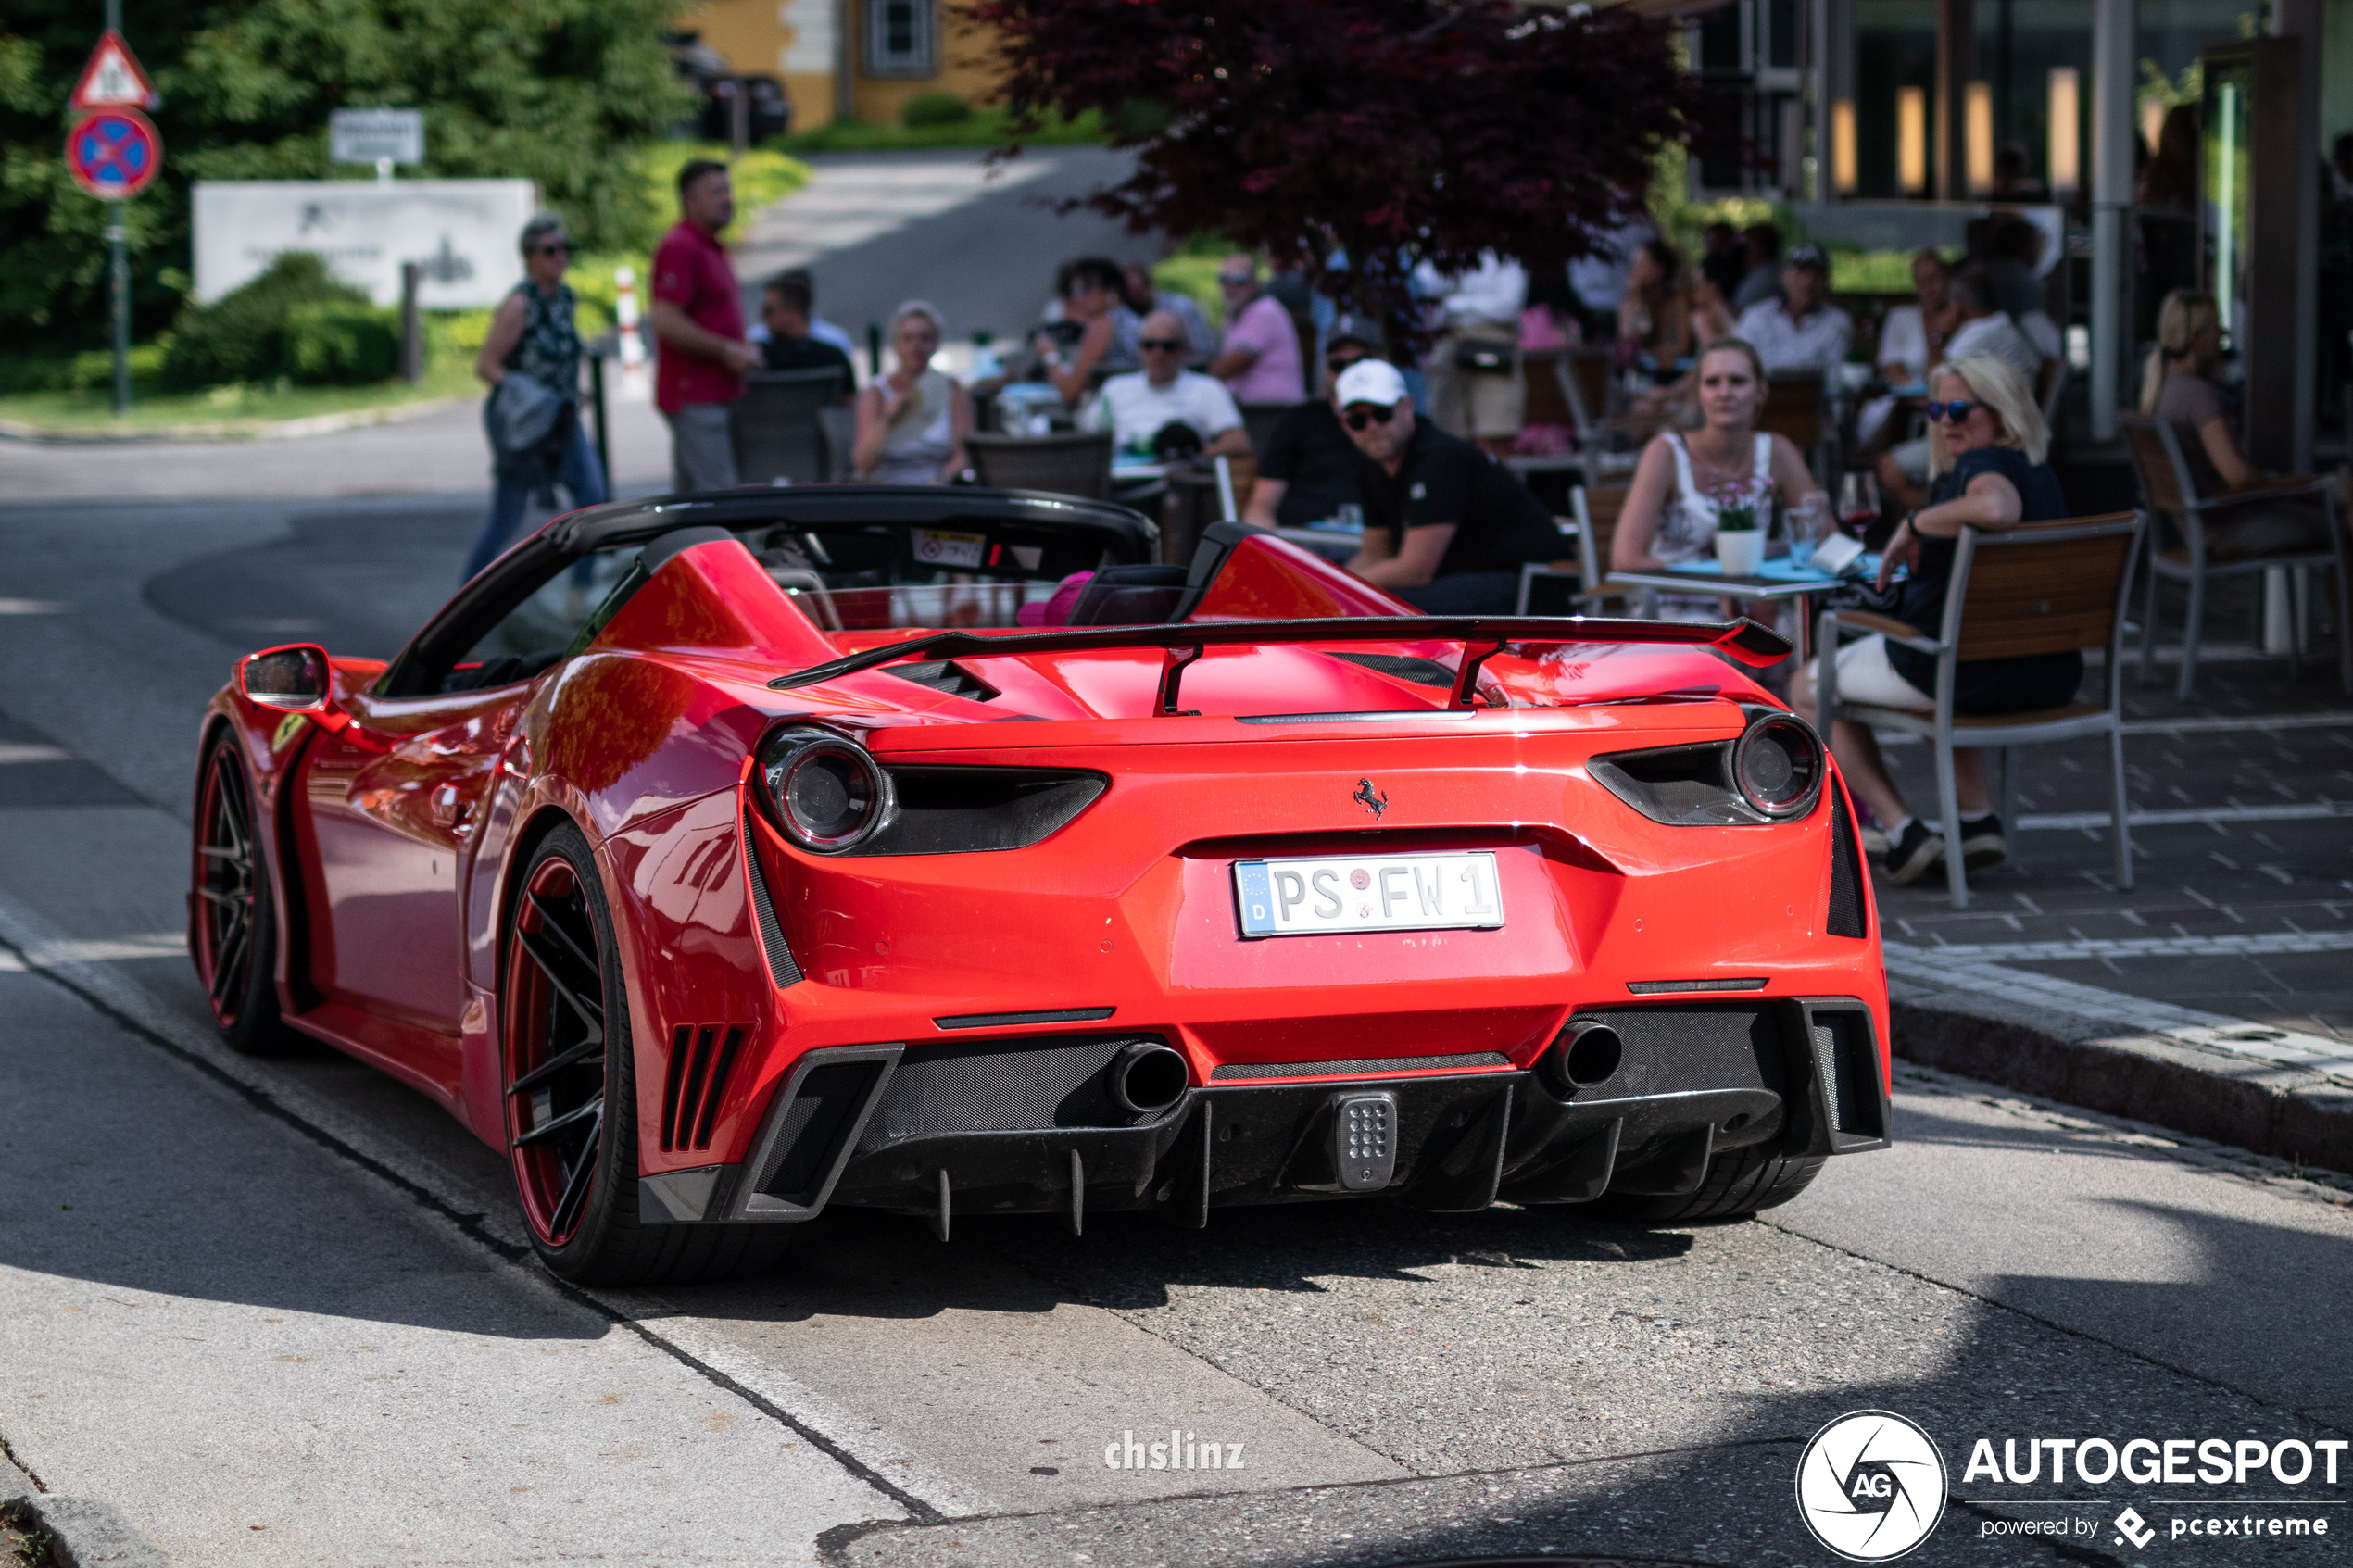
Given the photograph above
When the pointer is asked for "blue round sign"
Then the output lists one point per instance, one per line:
(114, 152)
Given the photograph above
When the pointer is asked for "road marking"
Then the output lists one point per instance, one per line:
(13, 752)
(2152, 946)
(846, 204)
(1962, 979)
(2201, 816)
(2206, 725)
(30, 607)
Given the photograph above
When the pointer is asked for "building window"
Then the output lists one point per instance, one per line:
(902, 37)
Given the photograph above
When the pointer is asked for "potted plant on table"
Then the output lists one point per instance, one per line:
(1739, 536)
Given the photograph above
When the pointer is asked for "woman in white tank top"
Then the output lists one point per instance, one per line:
(1683, 481)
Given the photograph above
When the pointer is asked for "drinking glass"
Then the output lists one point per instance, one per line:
(1858, 502)
(1807, 521)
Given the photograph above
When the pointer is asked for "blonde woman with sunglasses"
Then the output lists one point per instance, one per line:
(1987, 445)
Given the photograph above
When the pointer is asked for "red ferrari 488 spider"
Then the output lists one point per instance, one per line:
(932, 850)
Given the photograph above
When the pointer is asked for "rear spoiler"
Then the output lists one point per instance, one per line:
(1744, 640)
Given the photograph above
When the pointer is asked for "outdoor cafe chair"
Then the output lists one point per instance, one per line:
(1077, 464)
(2041, 587)
(774, 426)
(1595, 523)
(2168, 491)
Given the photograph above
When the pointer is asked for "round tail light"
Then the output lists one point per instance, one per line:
(828, 794)
(1778, 766)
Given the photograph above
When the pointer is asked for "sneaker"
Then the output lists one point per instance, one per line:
(1983, 846)
(1874, 840)
(1912, 856)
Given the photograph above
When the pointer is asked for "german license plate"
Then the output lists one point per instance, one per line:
(1323, 894)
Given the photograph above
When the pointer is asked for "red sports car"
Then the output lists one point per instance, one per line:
(933, 850)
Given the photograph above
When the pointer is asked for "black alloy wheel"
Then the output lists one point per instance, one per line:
(571, 1100)
(233, 923)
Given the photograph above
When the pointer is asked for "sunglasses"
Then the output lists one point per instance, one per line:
(551, 250)
(1165, 345)
(1959, 408)
(1369, 414)
(1338, 362)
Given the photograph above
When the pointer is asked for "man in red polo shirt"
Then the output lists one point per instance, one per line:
(698, 321)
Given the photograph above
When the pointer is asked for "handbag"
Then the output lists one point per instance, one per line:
(522, 412)
(1484, 357)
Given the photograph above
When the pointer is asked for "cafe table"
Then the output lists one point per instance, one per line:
(1775, 582)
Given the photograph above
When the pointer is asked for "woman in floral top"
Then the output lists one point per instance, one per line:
(533, 335)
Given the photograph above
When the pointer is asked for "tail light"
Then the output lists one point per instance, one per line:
(828, 794)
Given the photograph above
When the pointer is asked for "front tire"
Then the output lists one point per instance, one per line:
(233, 919)
(571, 1124)
(1740, 1183)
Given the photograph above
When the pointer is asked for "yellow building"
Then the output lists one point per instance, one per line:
(895, 50)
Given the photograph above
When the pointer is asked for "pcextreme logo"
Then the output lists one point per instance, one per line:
(1870, 1486)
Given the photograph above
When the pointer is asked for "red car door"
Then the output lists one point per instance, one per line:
(390, 804)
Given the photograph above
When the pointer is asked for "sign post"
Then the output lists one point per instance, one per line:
(114, 152)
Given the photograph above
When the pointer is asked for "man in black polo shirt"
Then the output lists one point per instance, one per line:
(1446, 527)
(784, 310)
(1309, 470)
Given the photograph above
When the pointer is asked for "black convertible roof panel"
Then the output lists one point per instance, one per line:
(1130, 534)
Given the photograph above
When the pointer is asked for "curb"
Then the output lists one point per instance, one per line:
(216, 434)
(2266, 1107)
(83, 1533)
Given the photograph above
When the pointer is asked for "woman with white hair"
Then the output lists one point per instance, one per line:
(1987, 443)
(533, 335)
(912, 423)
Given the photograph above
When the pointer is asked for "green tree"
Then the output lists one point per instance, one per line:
(555, 91)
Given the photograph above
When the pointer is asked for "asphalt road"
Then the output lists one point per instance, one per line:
(279, 1312)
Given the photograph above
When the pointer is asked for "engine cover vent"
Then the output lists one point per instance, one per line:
(946, 675)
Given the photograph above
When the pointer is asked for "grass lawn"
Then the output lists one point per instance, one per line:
(243, 409)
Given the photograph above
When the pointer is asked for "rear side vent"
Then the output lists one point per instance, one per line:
(944, 675)
(1847, 1059)
(1846, 915)
(824, 1114)
(701, 1057)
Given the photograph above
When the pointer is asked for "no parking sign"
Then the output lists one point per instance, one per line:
(114, 152)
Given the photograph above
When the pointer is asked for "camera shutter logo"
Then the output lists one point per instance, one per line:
(1870, 1486)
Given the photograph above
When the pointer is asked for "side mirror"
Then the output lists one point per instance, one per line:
(293, 679)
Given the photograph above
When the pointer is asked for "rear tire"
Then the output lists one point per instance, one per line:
(1740, 1183)
(234, 918)
(571, 1124)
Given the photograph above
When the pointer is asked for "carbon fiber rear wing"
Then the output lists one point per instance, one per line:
(1482, 637)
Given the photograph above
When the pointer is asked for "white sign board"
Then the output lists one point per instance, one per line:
(370, 136)
(463, 234)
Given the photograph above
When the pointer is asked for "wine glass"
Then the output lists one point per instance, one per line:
(1858, 502)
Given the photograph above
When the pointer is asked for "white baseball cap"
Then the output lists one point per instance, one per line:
(1370, 381)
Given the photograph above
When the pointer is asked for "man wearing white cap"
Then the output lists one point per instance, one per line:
(1446, 527)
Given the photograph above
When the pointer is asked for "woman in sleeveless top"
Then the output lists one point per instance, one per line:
(912, 423)
(531, 334)
(1682, 482)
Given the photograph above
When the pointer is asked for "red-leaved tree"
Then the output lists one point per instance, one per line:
(1392, 130)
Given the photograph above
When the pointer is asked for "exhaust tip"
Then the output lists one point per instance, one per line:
(1147, 1077)
(1586, 1053)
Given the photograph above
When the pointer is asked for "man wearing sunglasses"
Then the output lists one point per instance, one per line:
(1310, 469)
(1446, 527)
(533, 341)
(1140, 407)
(1260, 361)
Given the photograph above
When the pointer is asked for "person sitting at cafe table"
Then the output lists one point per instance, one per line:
(1910, 340)
(784, 310)
(1986, 454)
(1136, 406)
(1092, 294)
(1447, 528)
(1801, 331)
(1684, 481)
(1311, 469)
